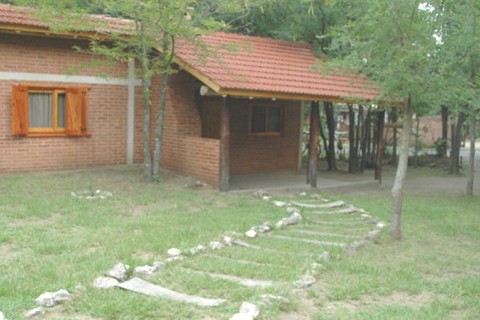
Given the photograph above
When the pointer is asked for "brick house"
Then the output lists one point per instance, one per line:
(229, 113)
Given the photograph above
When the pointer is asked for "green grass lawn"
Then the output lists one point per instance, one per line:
(50, 240)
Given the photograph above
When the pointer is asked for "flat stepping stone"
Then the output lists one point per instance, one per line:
(326, 234)
(246, 262)
(312, 241)
(138, 285)
(350, 222)
(246, 282)
(350, 209)
(333, 204)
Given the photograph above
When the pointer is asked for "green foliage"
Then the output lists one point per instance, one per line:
(441, 147)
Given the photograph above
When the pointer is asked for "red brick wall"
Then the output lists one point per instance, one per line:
(256, 154)
(107, 109)
(183, 149)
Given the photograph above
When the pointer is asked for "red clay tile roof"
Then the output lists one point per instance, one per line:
(246, 65)
(23, 17)
(234, 64)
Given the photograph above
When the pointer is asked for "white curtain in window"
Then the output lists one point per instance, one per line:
(40, 110)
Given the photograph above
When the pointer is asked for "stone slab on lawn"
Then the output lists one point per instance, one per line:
(144, 287)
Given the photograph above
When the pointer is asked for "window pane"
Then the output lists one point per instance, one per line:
(274, 119)
(61, 110)
(258, 119)
(40, 110)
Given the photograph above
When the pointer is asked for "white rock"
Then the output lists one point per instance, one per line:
(260, 193)
(119, 272)
(292, 210)
(157, 265)
(215, 245)
(46, 299)
(251, 233)
(249, 308)
(61, 295)
(176, 258)
(279, 203)
(293, 219)
(302, 194)
(381, 225)
(264, 228)
(365, 215)
(242, 316)
(145, 270)
(266, 198)
(105, 283)
(34, 312)
(2, 317)
(174, 252)
(197, 249)
(305, 281)
(228, 241)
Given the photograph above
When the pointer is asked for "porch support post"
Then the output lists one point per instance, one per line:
(224, 183)
(381, 144)
(300, 140)
(313, 144)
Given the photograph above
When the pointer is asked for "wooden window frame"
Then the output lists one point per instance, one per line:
(54, 128)
(76, 107)
(266, 133)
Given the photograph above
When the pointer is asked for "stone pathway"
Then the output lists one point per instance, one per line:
(312, 229)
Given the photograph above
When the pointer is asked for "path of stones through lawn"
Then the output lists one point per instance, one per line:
(317, 230)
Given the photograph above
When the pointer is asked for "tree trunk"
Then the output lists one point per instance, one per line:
(471, 162)
(332, 166)
(358, 135)
(456, 141)
(309, 145)
(417, 135)
(395, 136)
(374, 137)
(445, 123)
(366, 129)
(351, 140)
(401, 174)
(147, 107)
(322, 134)
(381, 144)
(166, 47)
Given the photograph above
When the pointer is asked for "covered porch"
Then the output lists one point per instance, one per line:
(264, 79)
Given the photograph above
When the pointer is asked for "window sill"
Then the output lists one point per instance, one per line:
(55, 134)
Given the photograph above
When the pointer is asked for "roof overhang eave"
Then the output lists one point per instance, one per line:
(45, 31)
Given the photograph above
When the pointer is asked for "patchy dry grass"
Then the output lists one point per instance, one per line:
(50, 240)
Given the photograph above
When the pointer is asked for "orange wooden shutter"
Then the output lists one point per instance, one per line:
(19, 110)
(84, 109)
(73, 123)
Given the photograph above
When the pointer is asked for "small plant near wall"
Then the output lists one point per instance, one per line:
(441, 147)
